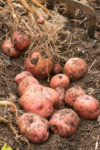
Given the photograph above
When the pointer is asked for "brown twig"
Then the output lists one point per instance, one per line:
(9, 3)
(42, 7)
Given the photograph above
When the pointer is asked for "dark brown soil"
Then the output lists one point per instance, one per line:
(87, 136)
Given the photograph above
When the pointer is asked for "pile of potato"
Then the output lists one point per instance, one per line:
(46, 107)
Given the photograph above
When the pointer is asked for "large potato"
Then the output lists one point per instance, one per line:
(87, 107)
(25, 83)
(19, 77)
(39, 99)
(39, 65)
(59, 80)
(64, 122)
(34, 127)
(75, 68)
(72, 94)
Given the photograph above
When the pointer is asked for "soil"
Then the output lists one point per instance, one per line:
(87, 137)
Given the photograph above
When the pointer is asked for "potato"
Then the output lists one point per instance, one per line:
(75, 68)
(34, 127)
(25, 83)
(20, 41)
(39, 99)
(59, 80)
(9, 50)
(61, 93)
(87, 107)
(19, 77)
(39, 65)
(64, 122)
(72, 94)
(57, 69)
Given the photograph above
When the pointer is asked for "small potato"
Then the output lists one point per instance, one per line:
(39, 65)
(87, 107)
(61, 93)
(34, 127)
(39, 99)
(59, 80)
(72, 94)
(25, 83)
(19, 77)
(20, 41)
(75, 68)
(64, 122)
(9, 50)
(57, 69)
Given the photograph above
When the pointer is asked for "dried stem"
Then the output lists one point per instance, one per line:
(2, 103)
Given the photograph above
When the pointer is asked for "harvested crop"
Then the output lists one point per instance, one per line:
(87, 107)
(39, 99)
(64, 122)
(25, 83)
(75, 68)
(61, 94)
(34, 127)
(59, 80)
(57, 68)
(20, 41)
(19, 77)
(72, 94)
(39, 65)
(9, 50)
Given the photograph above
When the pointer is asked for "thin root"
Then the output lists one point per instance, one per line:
(2, 103)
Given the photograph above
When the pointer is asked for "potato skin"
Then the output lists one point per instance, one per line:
(33, 127)
(39, 99)
(72, 94)
(20, 41)
(59, 80)
(9, 50)
(61, 93)
(75, 68)
(57, 69)
(39, 66)
(64, 122)
(19, 77)
(87, 107)
(25, 83)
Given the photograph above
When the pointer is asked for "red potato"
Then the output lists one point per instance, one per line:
(64, 122)
(87, 107)
(75, 68)
(20, 41)
(57, 68)
(9, 50)
(40, 21)
(61, 93)
(59, 80)
(34, 127)
(72, 94)
(25, 83)
(19, 77)
(39, 99)
(40, 66)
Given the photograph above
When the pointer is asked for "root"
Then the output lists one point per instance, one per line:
(2, 103)
(3, 120)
